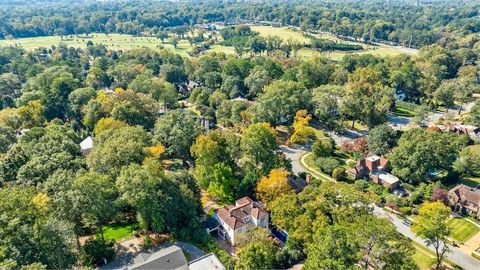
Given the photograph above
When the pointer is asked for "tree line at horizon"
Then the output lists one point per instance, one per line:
(409, 23)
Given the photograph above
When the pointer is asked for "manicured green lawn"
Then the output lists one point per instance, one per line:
(423, 260)
(470, 181)
(117, 232)
(222, 49)
(424, 257)
(308, 159)
(462, 230)
(357, 126)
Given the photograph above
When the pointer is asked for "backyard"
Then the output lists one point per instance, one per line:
(119, 232)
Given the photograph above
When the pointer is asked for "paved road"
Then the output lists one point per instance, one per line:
(434, 117)
(463, 260)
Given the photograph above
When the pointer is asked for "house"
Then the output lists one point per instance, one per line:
(472, 131)
(86, 146)
(237, 219)
(186, 89)
(375, 168)
(207, 262)
(168, 258)
(464, 198)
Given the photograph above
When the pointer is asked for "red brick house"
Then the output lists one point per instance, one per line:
(375, 168)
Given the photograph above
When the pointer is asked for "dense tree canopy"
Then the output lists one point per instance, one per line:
(423, 154)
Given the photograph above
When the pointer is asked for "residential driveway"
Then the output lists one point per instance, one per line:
(456, 255)
(471, 244)
(294, 154)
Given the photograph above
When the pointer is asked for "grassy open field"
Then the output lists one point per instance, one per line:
(118, 232)
(283, 32)
(462, 229)
(286, 33)
(112, 41)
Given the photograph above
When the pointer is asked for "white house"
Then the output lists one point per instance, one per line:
(86, 146)
(239, 218)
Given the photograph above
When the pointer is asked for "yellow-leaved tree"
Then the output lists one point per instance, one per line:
(108, 123)
(302, 131)
(274, 185)
(156, 151)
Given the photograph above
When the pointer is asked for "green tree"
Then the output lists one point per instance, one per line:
(176, 130)
(32, 114)
(133, 108)
(115, 148)
(421, 115)
(332, 249)
(10, 85)
(258, 145)
(446, 94)
(381, 139)
(95, 195)
(160, 90)
(322, 147)
(173, 73)
(325, 100)
(431, 225)
(367, 98)
(474, 114)
(7, 138)
(79, 98)
(256, 81)
(468, 162)
(423, 154)
(140, 188)
(257, 255)
(288, 97)
(30, 232)
(223, 183)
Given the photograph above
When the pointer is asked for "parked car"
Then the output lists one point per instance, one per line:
(407, 222)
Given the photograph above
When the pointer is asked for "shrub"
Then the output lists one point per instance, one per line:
(339, 174)
(322, 148)
(361, 184)
(327, 164)
(95, 252)
(405, 210)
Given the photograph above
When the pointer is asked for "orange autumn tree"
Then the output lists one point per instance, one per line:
(274, 185)
(302, 131)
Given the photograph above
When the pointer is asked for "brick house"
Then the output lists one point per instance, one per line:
(375, 168)
(464, 198)
(237, 219)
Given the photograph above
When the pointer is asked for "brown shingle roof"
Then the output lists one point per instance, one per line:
(232, 215)
(467, 196)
